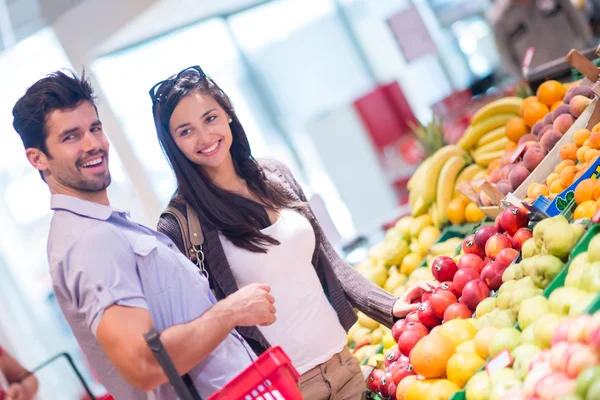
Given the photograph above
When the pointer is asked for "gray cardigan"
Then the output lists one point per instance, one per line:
(344, 287)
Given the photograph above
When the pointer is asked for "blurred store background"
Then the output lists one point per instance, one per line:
(333, 88)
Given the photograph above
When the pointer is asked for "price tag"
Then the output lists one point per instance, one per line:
(367, 371)
(502, 360)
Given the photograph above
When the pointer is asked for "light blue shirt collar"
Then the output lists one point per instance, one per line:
(82, 207)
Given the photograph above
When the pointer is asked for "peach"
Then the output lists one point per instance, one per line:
(504, 186)
(581, 153)
(567, 176)
(549, 118)
(551, 178)
(563, 164)
(545, 129)
(578, 104)
(591, 155)
(560, 110)
(527, 138)
(538, 127)
(557, 187)
(505, 160)
(573, 91)
(580, 136)
(569, 151)
(550, 139)
(494, 176)
(594, 141)
(563, 122)
(533, 157)
(517, 176)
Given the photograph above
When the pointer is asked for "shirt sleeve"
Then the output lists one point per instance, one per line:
(100, 270)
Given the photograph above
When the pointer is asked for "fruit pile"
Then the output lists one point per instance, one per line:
(540, 126)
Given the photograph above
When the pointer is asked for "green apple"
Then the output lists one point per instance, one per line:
(590, 278)
(499, 389)
(594, 249)
(531, 309)
(504, 339)
(485, 307)
(528, 335)
(503, 319)
(544, 328)
(563, 298)
(478, 387)
(529, 249)
(522, 356)
(545, 270)
(585, 380)
(582, 305)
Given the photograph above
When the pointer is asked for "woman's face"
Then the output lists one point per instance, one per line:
(200, 128)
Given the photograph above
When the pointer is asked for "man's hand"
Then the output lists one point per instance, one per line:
(251, 305)
(15, 392)
(404, 306)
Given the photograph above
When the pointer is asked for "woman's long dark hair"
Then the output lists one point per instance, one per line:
(238, 218)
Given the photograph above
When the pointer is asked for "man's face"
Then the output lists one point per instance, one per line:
(77, 159)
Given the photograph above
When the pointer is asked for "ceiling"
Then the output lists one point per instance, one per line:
(25, 17)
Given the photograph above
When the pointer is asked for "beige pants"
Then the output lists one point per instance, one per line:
(340, 378)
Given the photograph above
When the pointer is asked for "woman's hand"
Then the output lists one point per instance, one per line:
(404, 305)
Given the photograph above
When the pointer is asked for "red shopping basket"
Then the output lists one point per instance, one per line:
(271, 377)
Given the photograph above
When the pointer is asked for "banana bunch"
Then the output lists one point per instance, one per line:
(485, 138)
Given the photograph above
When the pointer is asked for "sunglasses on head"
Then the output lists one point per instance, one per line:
(159, 92)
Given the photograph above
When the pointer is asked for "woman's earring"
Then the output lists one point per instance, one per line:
(230, 120)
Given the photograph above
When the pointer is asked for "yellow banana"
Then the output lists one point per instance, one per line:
(445, 248)
(428, 184)
(506, 105)
(482, 174)
(486, 158)
(445, 186)
(496, 145)
(418, 175)
(467, 174)
(419, 207)
(474, 132)
(489, 137)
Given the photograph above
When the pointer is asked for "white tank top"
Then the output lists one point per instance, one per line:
(307, 326)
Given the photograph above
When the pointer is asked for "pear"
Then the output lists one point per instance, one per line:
(519, 295)
(545, 270)
(503, 319)
(531, 309)
(528, 266)
(503, 300)
(562, 299)
(559, 239)
(594, 249)
(526, 282)
(579, 230)
(529, 248)
(507, 287)
(582, 305)
(523, 355)
(538, 231)
(513, 273)
(590, 278)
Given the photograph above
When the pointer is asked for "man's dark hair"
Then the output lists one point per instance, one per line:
(57, 91)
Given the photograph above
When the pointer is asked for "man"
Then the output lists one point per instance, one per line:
(115, 279)
(19, 383)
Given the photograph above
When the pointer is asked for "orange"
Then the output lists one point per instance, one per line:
(510, 146)
(458, 331)
(473, 213)
(456, 211)
(591, 155)
(516, 129)
(585, 190)
(587, 209)
(594, 140)
(567, 175)
(482, 341)
(534, 113)
(552, 177)
(462, 366)
(596, 189)
(555, 105)
(581, 153)
(580, 136)
(569, 151)
(431, 354)
(557, 187)
(403, 386)
(551, 92)
(536, 189)
(526, 103)
(442, 389)
(466, 347)
(563, 164)
(495, 164)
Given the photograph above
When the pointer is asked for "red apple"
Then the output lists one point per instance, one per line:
(447, 286)
(469, 247)
(392, 367)
(521, 237)
(595, 339)
(443, 268)
(462, 277)
(412, 317)
(482, 235)
(507, 256)
(472, 261)
(373, 380)
(398, 328)
(416, 327)
(561, 333)
(440, 301)
(402, 371)
(384, 383)
(407, 341)
(581, 359)
(495, 244)
(425, 297)
(457, 311)
(492, 274)
(427, 317)
(497, 223)
(392, 390)
(474, 293)
(513, 219)
(391, 356)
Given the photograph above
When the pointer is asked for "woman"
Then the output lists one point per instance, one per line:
(258, 227)
(22, 385)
